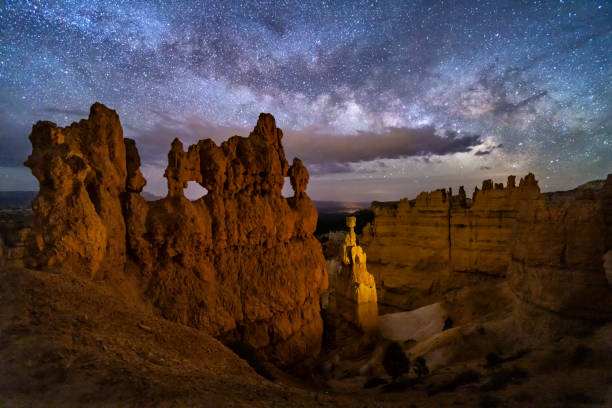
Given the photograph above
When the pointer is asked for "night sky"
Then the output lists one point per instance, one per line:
(380, 99)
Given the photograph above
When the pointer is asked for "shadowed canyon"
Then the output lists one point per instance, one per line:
(239, 298)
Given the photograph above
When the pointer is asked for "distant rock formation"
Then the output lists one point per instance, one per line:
(415, 245)
(557, 261)
(551, 247)
(241, 262)
(355, 289)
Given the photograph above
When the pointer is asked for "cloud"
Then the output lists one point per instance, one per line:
(324, 153)
(488, 150)
(395, 142)
(329, 168)
(154, 143)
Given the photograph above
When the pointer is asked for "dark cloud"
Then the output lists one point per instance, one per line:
(317, 169)
(397, 142)
(323, 153)
(489, 151)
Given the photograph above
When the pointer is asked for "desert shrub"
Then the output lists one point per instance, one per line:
(448, 323)
(395, 361)
(420, 367)
(504, 377)
(468, 376)
(493, 360)
(373, 382)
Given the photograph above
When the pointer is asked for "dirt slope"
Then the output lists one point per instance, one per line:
(65, 341)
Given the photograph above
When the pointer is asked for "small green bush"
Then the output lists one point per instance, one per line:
(395, 361)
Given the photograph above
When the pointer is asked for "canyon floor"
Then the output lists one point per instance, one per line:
(67, 341)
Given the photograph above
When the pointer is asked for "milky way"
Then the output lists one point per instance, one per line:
(380, 99)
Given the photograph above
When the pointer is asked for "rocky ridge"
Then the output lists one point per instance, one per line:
(241, 262)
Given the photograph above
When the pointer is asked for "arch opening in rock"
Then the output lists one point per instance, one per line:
(287, 189)
(194, 191)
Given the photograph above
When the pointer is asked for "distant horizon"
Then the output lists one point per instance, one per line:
(288, 192)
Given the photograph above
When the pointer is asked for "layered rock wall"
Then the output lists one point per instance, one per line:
(551, 247)
(480, 233)
(558, 254)
(418, 246)
(408, 246)
(241, 262)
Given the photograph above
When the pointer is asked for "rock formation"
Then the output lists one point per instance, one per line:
(355, 289)
(241, 262)
(557, 262)
(81, 170)
(416, 245)
(550, 246)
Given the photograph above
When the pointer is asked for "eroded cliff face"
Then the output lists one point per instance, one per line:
(557, 262)
(416, 246)
(241, 262)
(551, 247)
(408, 246)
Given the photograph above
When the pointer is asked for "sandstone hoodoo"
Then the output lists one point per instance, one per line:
(355, 289)
(240, 262)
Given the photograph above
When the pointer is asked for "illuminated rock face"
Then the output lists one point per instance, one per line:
(417, 246)
(355, 288)
(241, 262)
(551, 247)
(81, 170)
